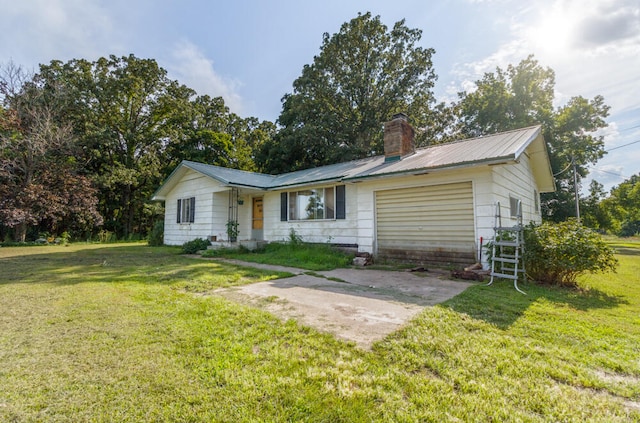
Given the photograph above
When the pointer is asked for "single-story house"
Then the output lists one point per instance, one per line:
(431, 204)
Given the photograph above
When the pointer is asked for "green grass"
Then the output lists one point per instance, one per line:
(123, 333)
(301, 255)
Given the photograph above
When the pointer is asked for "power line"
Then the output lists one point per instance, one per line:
(611, 173)
(623, 145)
(563, 170)
(631, 127)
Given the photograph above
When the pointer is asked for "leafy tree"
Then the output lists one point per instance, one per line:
(127, 126)
(594, 214)
(362, 76)
(40, 183)
(509, 99)
(523, 95)
(211, 134)
(623, 205)
(121, 109)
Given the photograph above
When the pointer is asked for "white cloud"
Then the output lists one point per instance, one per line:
(191, 67)
(55, 29)
(466, 74)
(594, 48)
(593, 45)
(608, 23)
(606, 174)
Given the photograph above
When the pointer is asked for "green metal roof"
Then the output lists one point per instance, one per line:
(492, 149)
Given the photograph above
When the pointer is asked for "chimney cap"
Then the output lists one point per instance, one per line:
(402, 116)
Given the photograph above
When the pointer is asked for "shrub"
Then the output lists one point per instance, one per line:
(156, 236)
(65, 238)
(294, 238)
(105, 236)
(193, 246)
(557, 253)
(232, 230)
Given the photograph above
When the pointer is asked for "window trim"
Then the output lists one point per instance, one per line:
(186, 210)
(513, 206)
(339, 204)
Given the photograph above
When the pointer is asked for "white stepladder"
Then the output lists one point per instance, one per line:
(507, 249)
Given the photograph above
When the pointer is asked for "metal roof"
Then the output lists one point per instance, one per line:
(232, 176)
(491, 149)
(504, 147)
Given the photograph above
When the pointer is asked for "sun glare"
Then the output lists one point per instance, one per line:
(552, 33)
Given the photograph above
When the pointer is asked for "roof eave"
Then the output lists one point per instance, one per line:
(304, 184)
(239, 185)
(157, 195)
(532, 138)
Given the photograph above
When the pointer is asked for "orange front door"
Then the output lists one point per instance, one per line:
(257, 217)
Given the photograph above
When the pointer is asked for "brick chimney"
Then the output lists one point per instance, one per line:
(398, 138)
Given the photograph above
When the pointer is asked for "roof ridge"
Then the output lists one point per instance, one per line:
(228, 168)
(479, 137)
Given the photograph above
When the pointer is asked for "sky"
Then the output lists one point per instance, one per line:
(250, 52)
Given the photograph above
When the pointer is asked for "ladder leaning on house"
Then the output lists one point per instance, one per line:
(507, 249)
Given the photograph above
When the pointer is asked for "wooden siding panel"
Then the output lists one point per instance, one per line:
(196, 185)
(516, 180)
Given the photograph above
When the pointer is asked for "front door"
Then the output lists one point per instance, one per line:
(257, 220)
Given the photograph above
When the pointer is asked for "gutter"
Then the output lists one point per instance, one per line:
(303, 184)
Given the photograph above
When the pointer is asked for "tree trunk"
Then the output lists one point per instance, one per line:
(21, 232)
(128, 210)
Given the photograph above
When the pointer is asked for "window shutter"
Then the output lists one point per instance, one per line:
(340, 202)
(283, 207)
(179, 210)
(192, 211)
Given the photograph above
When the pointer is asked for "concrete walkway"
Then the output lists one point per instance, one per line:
(358, 305)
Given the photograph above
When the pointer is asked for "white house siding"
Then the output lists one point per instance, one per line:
(336, 231)
(193, 184)
(244, 217)
(516, 180)
(220, 214)
(488, 183)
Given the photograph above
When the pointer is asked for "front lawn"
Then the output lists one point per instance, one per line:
(296, 254)
(124, 333)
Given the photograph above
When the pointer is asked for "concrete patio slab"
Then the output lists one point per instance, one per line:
(358, 305)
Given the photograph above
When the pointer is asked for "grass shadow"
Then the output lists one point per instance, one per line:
(122, 263)
(627, 251)
(501, 305)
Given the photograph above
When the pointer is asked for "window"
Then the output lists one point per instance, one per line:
(313, 204)
(513, 206)
(186, 210)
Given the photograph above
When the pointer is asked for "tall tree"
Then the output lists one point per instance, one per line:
(362, 75)
(121, 109)
(40, 183)
(594, 214)
(623, 205)
(210, 133)
(508, 99)
(523, 95)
